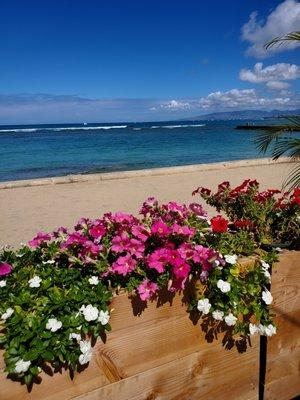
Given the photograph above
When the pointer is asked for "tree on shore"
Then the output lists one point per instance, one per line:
(278, 140)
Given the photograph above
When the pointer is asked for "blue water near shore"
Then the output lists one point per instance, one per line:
(55, 150)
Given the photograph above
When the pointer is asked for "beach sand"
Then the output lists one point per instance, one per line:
(45, 204)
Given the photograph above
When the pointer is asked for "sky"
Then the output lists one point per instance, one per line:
(100, 61)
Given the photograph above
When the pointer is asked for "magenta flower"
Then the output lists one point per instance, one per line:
(82, 223)
(147, 289)
(186, 251)
(5, 269)
(136, 248)
(207, 257)
(158, 259)
(180, 268)
(121, 217)
(140, 232)
(74, 238)
(183, 230)
(160, 228)
(97, 231)
(39, 239)
(120, 243)
(198, 210)
(123, 265)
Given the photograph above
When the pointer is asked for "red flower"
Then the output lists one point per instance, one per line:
(243, 223)
(219, 224)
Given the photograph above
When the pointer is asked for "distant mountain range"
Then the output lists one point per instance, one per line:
(245, 114)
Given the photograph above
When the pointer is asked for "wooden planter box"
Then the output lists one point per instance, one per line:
(161, 354)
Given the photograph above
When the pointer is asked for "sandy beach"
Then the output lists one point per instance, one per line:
(42, 205)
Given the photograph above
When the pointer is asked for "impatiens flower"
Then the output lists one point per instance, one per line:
(182, 230)
(231, 259)
(219, 224)
(230, 319)
(223, 286)
(86, 352)
(180, 268)
(97, 231)
(158, 259)
(22, 366)
(204, 306)
(94, 280)
(160, 228)
(2, 284)
(40, 238)
(147, 289)
(218, 315)
(267, 297)
(124, 265)
(5, 269)
(89, 312)
(268, 330)
(75, 336)
(104, 317)
(8, 313)
(35, 282)
(53, 324)
(253, 329)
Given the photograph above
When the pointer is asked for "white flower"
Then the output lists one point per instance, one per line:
(204, 306)
(270, 330)
(279, 249)
(2, 283)
(53, 324)
(94, 280)
(22, 366)
(8, 313)
(48, 262)
(267, 274)
(86, 350)
(19, 255)
(75, 336)
(267, 297)
(230, 319)
(253, 329)
(218, 315)
(35, 281)
(265, 265)
(104, 317)
(89, 312)
(231, 259)
(223, 286)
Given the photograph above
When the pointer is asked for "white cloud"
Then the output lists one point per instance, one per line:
(234, 99)
(284, 19)
(173, 105)
(272, 76)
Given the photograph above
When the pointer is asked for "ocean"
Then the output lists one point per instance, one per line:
(36, 151)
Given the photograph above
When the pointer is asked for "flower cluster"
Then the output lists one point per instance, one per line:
(269, 215)
(55, 291)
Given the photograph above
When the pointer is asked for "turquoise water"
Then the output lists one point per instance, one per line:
(55, 150)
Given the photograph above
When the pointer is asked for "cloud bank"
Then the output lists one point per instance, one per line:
(284, 19)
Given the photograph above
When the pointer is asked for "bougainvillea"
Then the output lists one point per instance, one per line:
(271, 216)
(55, 292)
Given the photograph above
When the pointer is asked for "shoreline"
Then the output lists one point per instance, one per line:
(104, 176)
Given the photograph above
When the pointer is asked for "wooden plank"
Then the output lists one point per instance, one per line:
(211, 373)
(283, 352)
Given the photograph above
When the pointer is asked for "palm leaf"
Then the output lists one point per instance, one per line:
(280, 40)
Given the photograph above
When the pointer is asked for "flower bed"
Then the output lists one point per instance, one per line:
(56, 294)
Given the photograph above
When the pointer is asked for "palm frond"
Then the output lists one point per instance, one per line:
(280, 40)
(264, 139)
(293, 179)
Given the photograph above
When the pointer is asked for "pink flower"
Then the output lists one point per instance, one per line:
(5, 268)
(180, 268)
(175, 207)
(120, 243)
(147, 289)
(123, 265)
(140, 232)
(74, 238)
(207, 257)
(97, 231)
(198, 210)
(158, 259)
(39, 239)
(186, 251)
(160, 228)
(121, 217)
(136, 248)
(90, 247)
(60, 231)
(149, 206)
(183, 230)
(82, 223)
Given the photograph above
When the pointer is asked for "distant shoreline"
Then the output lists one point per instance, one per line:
(105, 176)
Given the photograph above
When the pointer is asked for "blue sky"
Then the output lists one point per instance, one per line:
(65, 61)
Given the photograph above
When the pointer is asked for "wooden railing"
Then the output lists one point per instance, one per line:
(160, 353)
